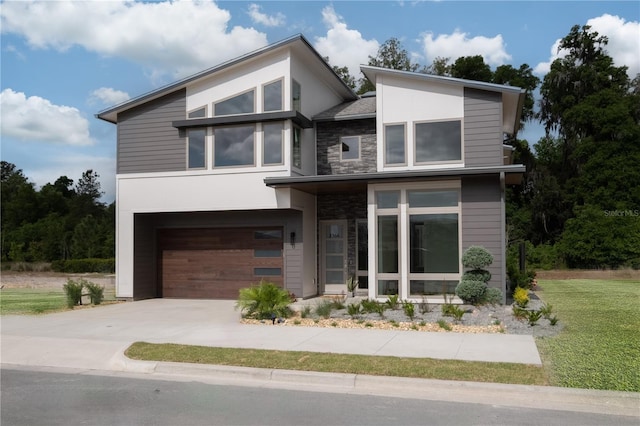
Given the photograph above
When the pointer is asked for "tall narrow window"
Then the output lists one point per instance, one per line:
(240, 104)
(394, 144)
(272, 96)
(197, 148)
(297, 148)
(234, 146)
(272, 140)
(296, 96)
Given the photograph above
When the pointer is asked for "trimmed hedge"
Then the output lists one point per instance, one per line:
(105, 266)
(471, 291)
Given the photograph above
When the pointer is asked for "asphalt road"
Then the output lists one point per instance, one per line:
(52, 398)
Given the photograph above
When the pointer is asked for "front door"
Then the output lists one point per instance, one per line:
(333, 261)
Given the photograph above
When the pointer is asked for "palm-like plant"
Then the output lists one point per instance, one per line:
(264, 301)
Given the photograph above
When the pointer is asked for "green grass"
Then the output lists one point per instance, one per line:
(342, 363)
(30, 301)
(599, 347)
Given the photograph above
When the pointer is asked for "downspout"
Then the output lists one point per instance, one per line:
(503, 219)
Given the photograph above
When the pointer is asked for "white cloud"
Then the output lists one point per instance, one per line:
(343, 46)
(623, 46)
(258, 17)
(458, 44)
(35, 119)
(109, 96)
(178, 37)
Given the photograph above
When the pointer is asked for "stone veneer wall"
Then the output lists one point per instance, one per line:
(328, 135)
(348, 207)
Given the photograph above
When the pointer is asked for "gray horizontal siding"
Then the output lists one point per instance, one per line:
(147, 142)
(482, 221)
(482, 128)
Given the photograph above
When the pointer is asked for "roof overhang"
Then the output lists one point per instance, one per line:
(320, 184)
(512, 97)
(294, 116)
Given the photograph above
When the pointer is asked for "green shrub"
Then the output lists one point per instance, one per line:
(546, 310)
(521, 297)
(476, 257)
(337, 304)
(264, 301)
(533, 317)
(553, 320)
(447, 309)
(380, 308)
(353, 309)
(444, 325)
(520, 313)
(80, 266)
(73, 291)
(457, 313)
(493, 296)
(369, 306)
(409, 310)
(96, 292)
(471, 291)
(392, 301)
(305, 312)
(324, 308)
(477, 275)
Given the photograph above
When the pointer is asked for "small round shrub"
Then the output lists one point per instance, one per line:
(471, 291)
(477, 275)
(476, 257)
(493, 296)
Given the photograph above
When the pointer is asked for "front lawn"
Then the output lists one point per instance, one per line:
(18, 301)
(599, 347)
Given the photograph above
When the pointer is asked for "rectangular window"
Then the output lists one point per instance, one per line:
(272, 143)
(296, 96)
(433, 243)
(297, 148)
(388, 244)
(387, 199)
(268, 234)
(350, 148)
(394, 144)
(267, 253)
(427, 287)
(438, 141)
(196, 155)
(433, 198)
(267, 272)
(243, 103)
(233, 146)
(272, 96)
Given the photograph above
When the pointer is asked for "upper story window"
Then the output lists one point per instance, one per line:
(350, 148)
(296, 96)
(243, 103)
(272, 143)
(234, 146)
(196, 152)
(198, 113)
(438, 141)
(296, 149)
(394, 144)
(272, 96)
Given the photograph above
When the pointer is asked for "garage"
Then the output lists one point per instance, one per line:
(214, 263)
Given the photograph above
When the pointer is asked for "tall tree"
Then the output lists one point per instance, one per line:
(391, 54)
(471, 68)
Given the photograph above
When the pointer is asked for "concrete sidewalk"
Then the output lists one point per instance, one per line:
(93, 340)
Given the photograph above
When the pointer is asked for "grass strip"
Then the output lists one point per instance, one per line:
(426, 368)
(20, 301)
(599, 347)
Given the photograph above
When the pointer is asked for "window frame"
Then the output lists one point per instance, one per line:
(294, 83)
(459, 120)
(359, 139)
(195, 110)
(253, 111)
(263, 87)
(204, 143)
(264, 143)
(404, 146)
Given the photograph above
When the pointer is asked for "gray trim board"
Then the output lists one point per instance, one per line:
(295, 116)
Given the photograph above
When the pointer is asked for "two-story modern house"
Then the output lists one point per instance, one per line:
(269, 167)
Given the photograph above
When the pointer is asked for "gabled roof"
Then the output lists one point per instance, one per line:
(512, 97)
(298, 43)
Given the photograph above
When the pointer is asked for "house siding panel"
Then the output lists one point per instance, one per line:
(482, 128)
(481, 221)
(329, 148)
(147, 142)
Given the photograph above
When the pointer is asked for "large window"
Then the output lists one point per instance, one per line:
(240, 104)
(272, 143)
(234, 146)
(438, 141)
(196, 153)
(394, 144)
(272, 96)
(297, 147)
(350, 147)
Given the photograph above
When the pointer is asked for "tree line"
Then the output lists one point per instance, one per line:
(60, 221)
(579, 204)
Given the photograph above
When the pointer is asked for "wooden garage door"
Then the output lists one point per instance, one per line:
(216, 263)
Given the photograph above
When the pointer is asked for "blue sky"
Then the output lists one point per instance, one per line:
(63, 61)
